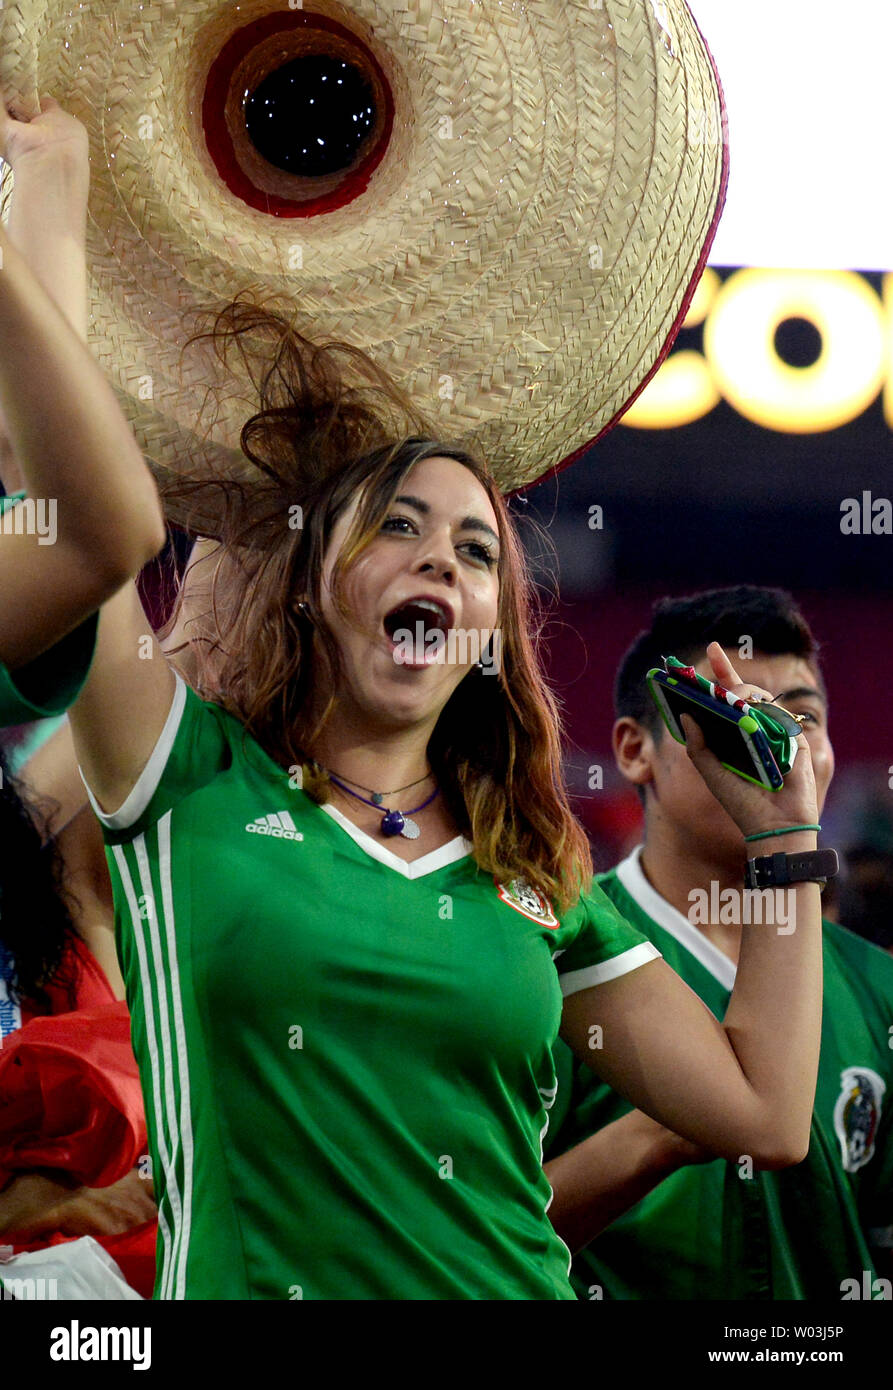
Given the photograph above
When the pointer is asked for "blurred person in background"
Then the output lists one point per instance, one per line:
(47, 968)
(707, 1228)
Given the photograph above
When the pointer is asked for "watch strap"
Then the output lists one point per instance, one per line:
(780, 870)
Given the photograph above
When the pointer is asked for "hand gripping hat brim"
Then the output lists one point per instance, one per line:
(517, 240)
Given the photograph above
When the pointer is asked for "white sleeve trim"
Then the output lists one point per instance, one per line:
(612, 969)
(146, 785)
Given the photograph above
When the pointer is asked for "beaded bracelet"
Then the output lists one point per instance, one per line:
(788, 830)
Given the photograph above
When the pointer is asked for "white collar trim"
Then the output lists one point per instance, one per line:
(450, 853)
(632, 877)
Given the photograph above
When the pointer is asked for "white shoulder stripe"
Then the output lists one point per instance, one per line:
(152, 970)
(146, 784)
(162, 1005)
(612, 969)
(133, 907)
(180, 1051)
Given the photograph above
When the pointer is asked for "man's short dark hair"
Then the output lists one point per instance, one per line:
(685, 627)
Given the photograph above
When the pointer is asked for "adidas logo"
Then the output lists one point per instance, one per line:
(279, 824)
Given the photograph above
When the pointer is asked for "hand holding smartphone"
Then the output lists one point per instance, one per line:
(756, 741)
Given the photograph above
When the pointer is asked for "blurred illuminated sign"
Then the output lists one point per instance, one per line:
(809, 198)
(740, 362)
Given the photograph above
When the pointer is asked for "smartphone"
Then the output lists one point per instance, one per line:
(733, 730)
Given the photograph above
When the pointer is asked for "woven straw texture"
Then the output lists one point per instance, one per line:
(519, 260)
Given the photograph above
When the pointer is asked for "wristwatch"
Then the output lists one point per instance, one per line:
(780, 870)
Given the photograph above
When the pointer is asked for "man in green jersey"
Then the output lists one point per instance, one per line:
(820, 1230)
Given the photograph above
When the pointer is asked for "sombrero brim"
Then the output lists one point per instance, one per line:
(521, 252)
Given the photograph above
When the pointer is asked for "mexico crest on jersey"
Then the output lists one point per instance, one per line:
(528, 901)
(857, 1115)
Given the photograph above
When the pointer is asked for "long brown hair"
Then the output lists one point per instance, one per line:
(332, 422)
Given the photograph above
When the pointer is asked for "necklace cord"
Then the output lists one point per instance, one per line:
(378, 796)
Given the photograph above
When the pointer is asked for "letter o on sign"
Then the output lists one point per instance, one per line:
(739, 340)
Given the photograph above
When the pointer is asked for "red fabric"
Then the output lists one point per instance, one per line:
(70, 1096)
(134, 1252)
(70, 1099)
(91, 987)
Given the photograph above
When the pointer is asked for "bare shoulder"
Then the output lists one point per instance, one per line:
(122, 709)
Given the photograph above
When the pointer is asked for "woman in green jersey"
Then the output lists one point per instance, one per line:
(91, 518)
(353, 905)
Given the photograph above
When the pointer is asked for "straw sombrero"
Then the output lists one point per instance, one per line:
(510, 207)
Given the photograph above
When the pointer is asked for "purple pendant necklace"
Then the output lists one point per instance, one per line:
(392, 822)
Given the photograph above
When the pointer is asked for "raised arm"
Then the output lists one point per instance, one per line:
(94, 518)
(745, 1086)
(73, 445)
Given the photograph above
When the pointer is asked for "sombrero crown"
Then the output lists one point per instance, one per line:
(509, 205)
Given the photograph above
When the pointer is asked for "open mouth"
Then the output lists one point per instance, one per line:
(417, 630)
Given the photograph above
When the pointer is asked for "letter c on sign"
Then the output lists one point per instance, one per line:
(683, 389)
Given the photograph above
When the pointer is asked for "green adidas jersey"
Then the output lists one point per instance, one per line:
(53, 681)
(346, 1059)
(714, 1231)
